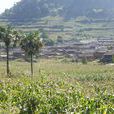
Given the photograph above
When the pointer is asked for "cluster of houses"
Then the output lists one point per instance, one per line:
(101, 48)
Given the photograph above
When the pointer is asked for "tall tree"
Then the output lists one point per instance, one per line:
(31, 44)
(9, 36)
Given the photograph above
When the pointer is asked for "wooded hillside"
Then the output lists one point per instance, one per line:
(30, 9)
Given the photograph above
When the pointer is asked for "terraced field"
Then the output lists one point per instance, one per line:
(79, 28)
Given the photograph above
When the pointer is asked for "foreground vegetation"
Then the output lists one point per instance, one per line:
(57, 87)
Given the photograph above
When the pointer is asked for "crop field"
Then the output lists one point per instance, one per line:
(57, 87)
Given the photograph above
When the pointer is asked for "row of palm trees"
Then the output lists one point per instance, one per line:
(30, 43)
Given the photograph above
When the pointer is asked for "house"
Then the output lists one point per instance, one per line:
(108, 57)
(99, 54)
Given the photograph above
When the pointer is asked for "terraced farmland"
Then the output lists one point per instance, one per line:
(79, 28)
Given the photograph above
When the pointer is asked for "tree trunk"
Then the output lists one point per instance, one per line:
(7, 51)
(31, 64)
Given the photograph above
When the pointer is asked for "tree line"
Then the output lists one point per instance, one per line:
(30, 43)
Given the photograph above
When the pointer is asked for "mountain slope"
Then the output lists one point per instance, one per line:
(29, 9)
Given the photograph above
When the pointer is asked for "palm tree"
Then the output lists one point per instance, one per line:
(31, 44)
(8, 35)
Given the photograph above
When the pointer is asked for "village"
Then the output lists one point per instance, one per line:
(101, 49)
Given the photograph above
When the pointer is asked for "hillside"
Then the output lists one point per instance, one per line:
(79, 28)
(71, 19)
(30, 9)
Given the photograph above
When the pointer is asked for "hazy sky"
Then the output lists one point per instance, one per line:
(5, 4)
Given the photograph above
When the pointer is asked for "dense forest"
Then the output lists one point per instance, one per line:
(30, 9)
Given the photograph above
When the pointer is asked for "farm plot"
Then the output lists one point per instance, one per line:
(57, 88)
